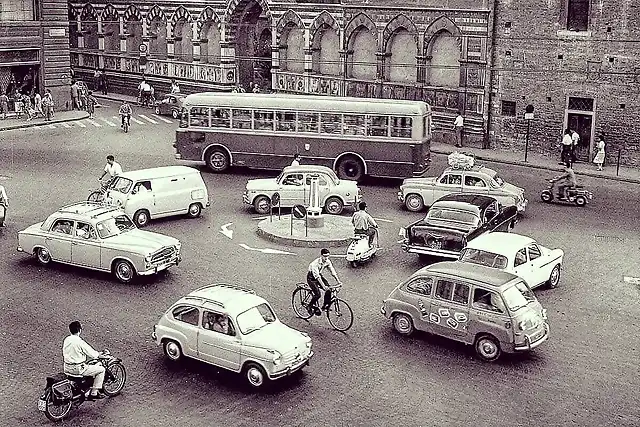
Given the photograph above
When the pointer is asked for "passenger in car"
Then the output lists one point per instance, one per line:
(221, 324)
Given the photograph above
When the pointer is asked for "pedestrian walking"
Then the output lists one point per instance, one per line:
(575, 139)
(47, 105)
(91, 104)
(37, 104)
(600, 154)
(4, 105)
(458, 125)
(27, 110)
(96, 79)
(567, 145)
(75, 101)
(82, 95)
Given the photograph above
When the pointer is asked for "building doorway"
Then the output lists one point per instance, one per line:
(579, 116)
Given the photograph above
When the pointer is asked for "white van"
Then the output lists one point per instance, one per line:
(159, 192)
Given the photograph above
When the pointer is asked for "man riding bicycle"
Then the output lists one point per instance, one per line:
(112, 168)
(316, 281)
(125, 112)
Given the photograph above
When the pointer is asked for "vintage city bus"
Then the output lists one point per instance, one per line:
(354, 136)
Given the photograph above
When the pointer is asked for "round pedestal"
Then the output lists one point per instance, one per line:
(315, 221)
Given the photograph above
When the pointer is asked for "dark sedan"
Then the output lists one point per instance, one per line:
(455, 219)
(170, 105)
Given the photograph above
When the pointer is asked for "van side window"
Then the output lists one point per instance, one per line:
(521, 257)
(444, 289)
(486, 300)
(421, 285)
(461, 293)
(142, 187)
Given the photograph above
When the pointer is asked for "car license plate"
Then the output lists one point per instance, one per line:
(42, 405)
(435, 245)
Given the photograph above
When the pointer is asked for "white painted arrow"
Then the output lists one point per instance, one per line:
(266, 250)
(225, 230)
(632, 280)
(382, 220)
(260, 217)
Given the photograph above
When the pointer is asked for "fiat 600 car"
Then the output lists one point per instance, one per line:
(454, 220)
(232, 328)
(294, 186)
(517, 254)
(99, 237)
(463, 177)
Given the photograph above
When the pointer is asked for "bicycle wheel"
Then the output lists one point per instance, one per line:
(96, 196)
(299, 302)
(340, 315)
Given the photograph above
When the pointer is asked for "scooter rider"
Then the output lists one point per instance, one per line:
(76, 352)
(316, 281)
(569, 181)
(364, 223)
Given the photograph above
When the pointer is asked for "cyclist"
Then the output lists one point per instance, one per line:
(125, 112)
(316, 281)
(112, 168)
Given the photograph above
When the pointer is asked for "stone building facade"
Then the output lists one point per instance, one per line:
(437, 51)
(34, 49)
(578, 63)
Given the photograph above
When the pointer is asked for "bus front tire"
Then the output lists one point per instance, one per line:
(351, 168)
(217, 160)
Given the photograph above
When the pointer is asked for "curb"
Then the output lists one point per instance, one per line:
(292, 241)
(111, 98)
(52, 122)
(542, 167)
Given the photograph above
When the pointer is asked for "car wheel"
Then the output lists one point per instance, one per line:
(261, 205)
(546, 196)
(487, 348)
(141, 218)
(217, 160)
(403, 324)
(554, 277)
(174, 114)
(334, 206)
(158, 111)
(172, 350)
(581, 201)
(255, 375)
(124, 271)
(414, 203)
(350, 167)
(43, 256)
(194, 210)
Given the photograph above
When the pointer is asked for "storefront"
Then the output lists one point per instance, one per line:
(19, 73)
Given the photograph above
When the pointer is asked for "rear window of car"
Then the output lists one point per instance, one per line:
(187, 314)
(486, 258)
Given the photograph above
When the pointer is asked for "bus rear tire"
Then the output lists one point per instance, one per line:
(351, 168)
(217, 160)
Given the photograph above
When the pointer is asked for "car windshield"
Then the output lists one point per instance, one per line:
(121, 184)
(255, 318)
(114, 226)
(497, 180)
(489, 259)
(518, 296)
(442, 214)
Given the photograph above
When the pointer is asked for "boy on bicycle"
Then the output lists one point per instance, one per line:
(316, 281)
(125, 111)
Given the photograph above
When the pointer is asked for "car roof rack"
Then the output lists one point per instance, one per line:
(225, 286)
(96, 205)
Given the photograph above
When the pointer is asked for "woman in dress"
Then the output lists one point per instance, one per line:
(599, 158)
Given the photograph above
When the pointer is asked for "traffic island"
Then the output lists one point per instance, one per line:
(337, 231)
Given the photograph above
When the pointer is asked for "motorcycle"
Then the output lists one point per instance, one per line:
(577, 195)
(63, 392)
(359, 251)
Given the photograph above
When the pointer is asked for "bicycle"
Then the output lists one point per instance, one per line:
(339, 313)
(126, 123)
(99, 195)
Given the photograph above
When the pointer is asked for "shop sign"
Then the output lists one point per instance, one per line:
(13, 56)
(57, 32)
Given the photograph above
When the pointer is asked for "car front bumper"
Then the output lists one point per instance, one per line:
(533, 341)
(522, 205)
(293, 368)
(423, 250)
(158, 268)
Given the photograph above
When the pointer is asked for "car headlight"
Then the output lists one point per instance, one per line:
(277, 358)
(309, 344)
(522, 325)
(147, 259)
(178, 246)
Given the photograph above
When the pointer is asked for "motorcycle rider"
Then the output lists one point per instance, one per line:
(316, 281)
(76, 352)
(125, 112)
(4, 204)
(363, 223)
(568, 183)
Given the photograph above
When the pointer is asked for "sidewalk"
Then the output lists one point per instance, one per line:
(59, 117)
(116, 97)
(540, 161)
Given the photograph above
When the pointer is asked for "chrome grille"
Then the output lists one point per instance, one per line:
(293, 357)
(163, 255)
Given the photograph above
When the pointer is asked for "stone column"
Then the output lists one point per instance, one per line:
(228, 58)
(123, 35)
(170, 42)
(195, 41)
(275, 57)
(315, 219)
(308, 59)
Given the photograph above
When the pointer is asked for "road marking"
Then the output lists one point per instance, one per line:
(266, 250)
(51, 126)
(148, 119)
(82, 125)
(136, 120)
(382, 220)
(400, 241)
(260, 217)
(225, 230)
(66, 125)
(110, 123)
(96, 124)
(632, 280)
(162, 118)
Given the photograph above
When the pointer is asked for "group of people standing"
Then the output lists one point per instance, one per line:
(569, 144)
(82, 99)
(30, 107)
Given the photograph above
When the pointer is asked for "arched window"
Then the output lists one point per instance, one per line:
(362, 55)
(326, 51)
(401, 65)
(292, 49)
(444, 66)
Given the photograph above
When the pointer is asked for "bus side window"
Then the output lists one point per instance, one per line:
(263, 120)
(354, 124)
(378, 126)
(308, 122)
(241, 119)
(286, 121)
(199, 117)
(331, 123)
(221, 118)
(401, 127)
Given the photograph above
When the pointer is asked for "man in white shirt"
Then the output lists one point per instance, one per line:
(316, 281)
(575, 139)
(296, 160)
(76, 352)
(112, 168)
(363, 223)
(458, 125)
(567, 145)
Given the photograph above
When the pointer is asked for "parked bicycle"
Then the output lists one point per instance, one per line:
(339, 313)
(100, 194)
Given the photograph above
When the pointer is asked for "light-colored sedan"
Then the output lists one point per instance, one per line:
(516, 254)
(99, 237)
(232, 328)
(294, 187)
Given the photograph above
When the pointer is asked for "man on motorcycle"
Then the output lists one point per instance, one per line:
(125, 112)
(568, 183)
(4, 203)
(363, 223)
(316, 281)
(76, 352)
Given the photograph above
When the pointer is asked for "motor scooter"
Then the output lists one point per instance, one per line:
(577, 195)
(359, 250)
